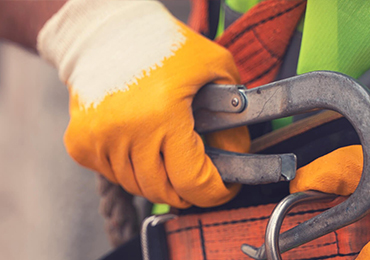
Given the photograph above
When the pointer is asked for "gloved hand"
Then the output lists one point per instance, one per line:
(338, 172)
(132, 71)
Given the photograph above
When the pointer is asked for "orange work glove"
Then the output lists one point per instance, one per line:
(338, 172)
(132, 72)
(235, 140)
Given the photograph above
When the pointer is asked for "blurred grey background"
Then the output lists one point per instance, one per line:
(48, 204)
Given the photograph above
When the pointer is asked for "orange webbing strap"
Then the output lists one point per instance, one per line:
(258, 40)
(198, 18)
(219, 235)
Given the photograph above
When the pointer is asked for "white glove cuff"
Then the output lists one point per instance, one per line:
(103, 46)
(67, 33)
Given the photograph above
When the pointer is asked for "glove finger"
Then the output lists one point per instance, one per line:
(123, 170)
(338, 172)
(151, 174)
(234, 140)
(191, 172)
(126, 177)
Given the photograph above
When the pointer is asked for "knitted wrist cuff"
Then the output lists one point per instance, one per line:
(68, 32)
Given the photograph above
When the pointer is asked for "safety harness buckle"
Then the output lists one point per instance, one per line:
(154, 249)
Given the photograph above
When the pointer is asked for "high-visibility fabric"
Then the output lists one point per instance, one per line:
(336, 37)
(219, 235)
(132, 75)
(241, 6)
(258, 40)
(221, 23)
(238, 6)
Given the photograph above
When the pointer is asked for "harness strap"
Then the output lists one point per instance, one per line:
(258, 40)
(198, 18)
(219, 235)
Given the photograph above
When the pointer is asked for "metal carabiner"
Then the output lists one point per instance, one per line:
(307, 92)
(270, 249)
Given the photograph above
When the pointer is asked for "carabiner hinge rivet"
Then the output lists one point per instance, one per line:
(235, 102)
